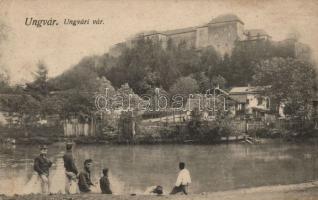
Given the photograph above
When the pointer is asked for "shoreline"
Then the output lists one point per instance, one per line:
(306, 191)
(97, 141)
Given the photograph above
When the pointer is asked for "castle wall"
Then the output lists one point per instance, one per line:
(240, 31)
(156, 37)
(223, 35)
(202, 37)
(302, 51)
(188, 37)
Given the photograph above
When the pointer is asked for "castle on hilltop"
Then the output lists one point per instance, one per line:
(221, 32)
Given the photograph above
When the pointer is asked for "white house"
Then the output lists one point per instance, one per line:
(252, 100)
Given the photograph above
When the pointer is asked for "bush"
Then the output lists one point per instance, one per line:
(168, 132)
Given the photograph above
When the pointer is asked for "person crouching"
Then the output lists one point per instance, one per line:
(84, 178)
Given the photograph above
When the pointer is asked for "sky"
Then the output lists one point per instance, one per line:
(63, 46)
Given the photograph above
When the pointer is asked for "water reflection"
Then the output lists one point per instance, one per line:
(134, 168)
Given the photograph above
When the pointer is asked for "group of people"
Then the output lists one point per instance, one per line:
(83, 179)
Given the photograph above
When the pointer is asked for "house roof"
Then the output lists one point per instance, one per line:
(239, 98)
(226, 18)
(239, 90)
(248, 90)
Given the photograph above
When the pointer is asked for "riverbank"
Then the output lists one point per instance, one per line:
(101, 140)
(303, 191)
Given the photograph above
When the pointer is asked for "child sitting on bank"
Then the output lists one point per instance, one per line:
(104, 183)
(154, 190)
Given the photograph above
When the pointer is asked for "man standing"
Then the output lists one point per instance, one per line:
(183, 180)
(84, 179)
(42, 165)
(70, 168)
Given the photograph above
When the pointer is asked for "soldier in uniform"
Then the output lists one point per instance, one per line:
(42, 166)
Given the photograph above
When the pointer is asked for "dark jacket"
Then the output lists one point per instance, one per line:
(42, 165)
(105, 185)
(69, 163)
(84, 181)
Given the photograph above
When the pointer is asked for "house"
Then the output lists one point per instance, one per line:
(209, 105)
(3, 118)
(249, 101)
(252, 101)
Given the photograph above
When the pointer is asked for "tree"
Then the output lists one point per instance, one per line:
(209, 62)
(292, 81)
(185, 86)
(203, 81)
(40, 84)
(4, 75)
(245, 57)
(218, 81)
(147, 65)
(4, 82)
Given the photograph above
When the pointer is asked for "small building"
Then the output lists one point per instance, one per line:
(252, 101)
(209, 106)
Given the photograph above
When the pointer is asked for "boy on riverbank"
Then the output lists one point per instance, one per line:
(154, 190)
(104, 183)
(70, 168)
(42, 165)
(84, 180)
(183, 180)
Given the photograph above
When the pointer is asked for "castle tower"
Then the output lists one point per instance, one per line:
(221, 33)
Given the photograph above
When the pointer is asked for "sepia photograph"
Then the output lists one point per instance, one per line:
(158, 99)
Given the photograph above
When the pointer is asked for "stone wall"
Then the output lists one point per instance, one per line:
(188, 37)
(222, 36)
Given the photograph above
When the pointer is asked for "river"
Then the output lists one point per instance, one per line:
(134, 168)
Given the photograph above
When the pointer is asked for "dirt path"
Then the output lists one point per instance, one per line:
(303, 191)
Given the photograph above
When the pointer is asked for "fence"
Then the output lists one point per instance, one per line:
(74, 128)
(290, 124)
(242, 126)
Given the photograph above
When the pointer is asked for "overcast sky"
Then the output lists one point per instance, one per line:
(61, 47)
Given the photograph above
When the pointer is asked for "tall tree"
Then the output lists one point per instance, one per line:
(185, 86)
(292, 81)
(40, 84)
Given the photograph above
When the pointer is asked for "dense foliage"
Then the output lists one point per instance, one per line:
(293, 83)
(174, 69)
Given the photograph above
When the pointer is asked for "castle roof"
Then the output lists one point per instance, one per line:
(218, 19)
(255, 32)
(178, 31)
(168, 32)
(226, 18)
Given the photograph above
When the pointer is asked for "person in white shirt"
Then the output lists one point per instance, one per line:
(183, 180)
